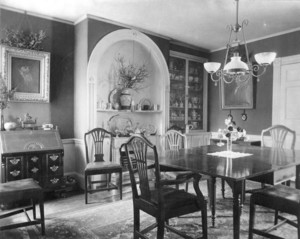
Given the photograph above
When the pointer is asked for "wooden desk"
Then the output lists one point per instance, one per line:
(262, 161)
(36, 154)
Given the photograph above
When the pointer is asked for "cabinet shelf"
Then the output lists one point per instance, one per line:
(129, 111)
(194, 94)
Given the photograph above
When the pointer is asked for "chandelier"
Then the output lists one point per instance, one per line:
(238, 70)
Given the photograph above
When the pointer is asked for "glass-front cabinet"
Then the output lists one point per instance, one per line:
(188, 92)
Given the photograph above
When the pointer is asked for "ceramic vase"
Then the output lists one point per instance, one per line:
(125, 99)
(229, 144)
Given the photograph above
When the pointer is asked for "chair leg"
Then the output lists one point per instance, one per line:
(33, 209)
(41, 203)
(223, 188)
(85, 188)
(204, 221)
(187, 186)
(136, 225)
(276, 217)
(298, 224)
(251, 219)
(121, 184)
(160, 228)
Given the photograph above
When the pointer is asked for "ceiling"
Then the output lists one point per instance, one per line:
(201, 23)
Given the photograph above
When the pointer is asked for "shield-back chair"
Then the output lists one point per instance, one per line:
(96, 164)
(159, 200)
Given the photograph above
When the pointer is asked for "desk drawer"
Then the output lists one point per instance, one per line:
(14, 168)
(277, 177)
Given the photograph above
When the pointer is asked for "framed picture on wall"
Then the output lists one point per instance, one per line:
(237, 94)
(27, 71)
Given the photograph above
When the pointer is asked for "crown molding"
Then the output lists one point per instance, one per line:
(35, 14)
(89, 16)
(263, 38)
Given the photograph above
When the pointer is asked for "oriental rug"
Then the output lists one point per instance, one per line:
(115, 221)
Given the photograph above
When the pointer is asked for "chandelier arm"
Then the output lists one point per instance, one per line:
(227, 81)
(228, 45)
(256, 68)
(245, 22)
(218, 74)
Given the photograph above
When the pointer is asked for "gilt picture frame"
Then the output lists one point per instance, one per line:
(28, 72)
(237, 94)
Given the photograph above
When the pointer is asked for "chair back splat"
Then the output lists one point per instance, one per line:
(279, 135)
(155, 197)
(175, 140)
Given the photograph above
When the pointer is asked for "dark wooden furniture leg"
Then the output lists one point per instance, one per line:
(297, 177)
(237, 189)
(212, 199)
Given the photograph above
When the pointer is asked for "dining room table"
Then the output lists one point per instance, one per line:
(242, 163)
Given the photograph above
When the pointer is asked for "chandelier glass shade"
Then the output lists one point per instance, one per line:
(237, 69)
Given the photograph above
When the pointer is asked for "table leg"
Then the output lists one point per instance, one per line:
(297, 177)
(212, 199)
(237, 189)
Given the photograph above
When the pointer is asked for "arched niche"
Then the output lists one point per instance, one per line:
(136, 48)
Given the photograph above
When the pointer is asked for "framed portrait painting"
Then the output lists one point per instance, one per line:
(237, 94)
(28, 72)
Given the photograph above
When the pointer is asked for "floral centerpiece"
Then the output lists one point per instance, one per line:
(131, 76)
(231, 132)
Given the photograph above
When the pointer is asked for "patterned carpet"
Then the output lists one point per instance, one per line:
(115, 221)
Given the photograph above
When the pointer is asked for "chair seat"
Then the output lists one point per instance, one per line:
(102, 167)
(174, 198)
(279, 197)
(19, 190)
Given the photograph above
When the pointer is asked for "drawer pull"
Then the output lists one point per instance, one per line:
(15, 173)
(53, 157)
(54, 168)
(34, 159)
(34, 170)
(14, 161)
(54, 180)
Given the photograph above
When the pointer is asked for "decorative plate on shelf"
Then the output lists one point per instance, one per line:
(120, 125)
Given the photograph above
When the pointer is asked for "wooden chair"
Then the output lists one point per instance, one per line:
(94, 145)
(174, 141)
(22, 190)
(278, 135)
(279, 198)
(159, 200)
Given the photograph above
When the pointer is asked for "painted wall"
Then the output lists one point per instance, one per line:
(60, 43)
(261, 116)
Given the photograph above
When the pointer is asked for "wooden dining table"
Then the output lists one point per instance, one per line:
(261, 162)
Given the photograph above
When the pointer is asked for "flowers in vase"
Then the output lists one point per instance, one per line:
(5, 94)
(231, 131)
(131, 76)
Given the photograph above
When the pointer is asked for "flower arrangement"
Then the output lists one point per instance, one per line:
(20, 39)
(232, 132)
(5, 94)
(131, 76)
